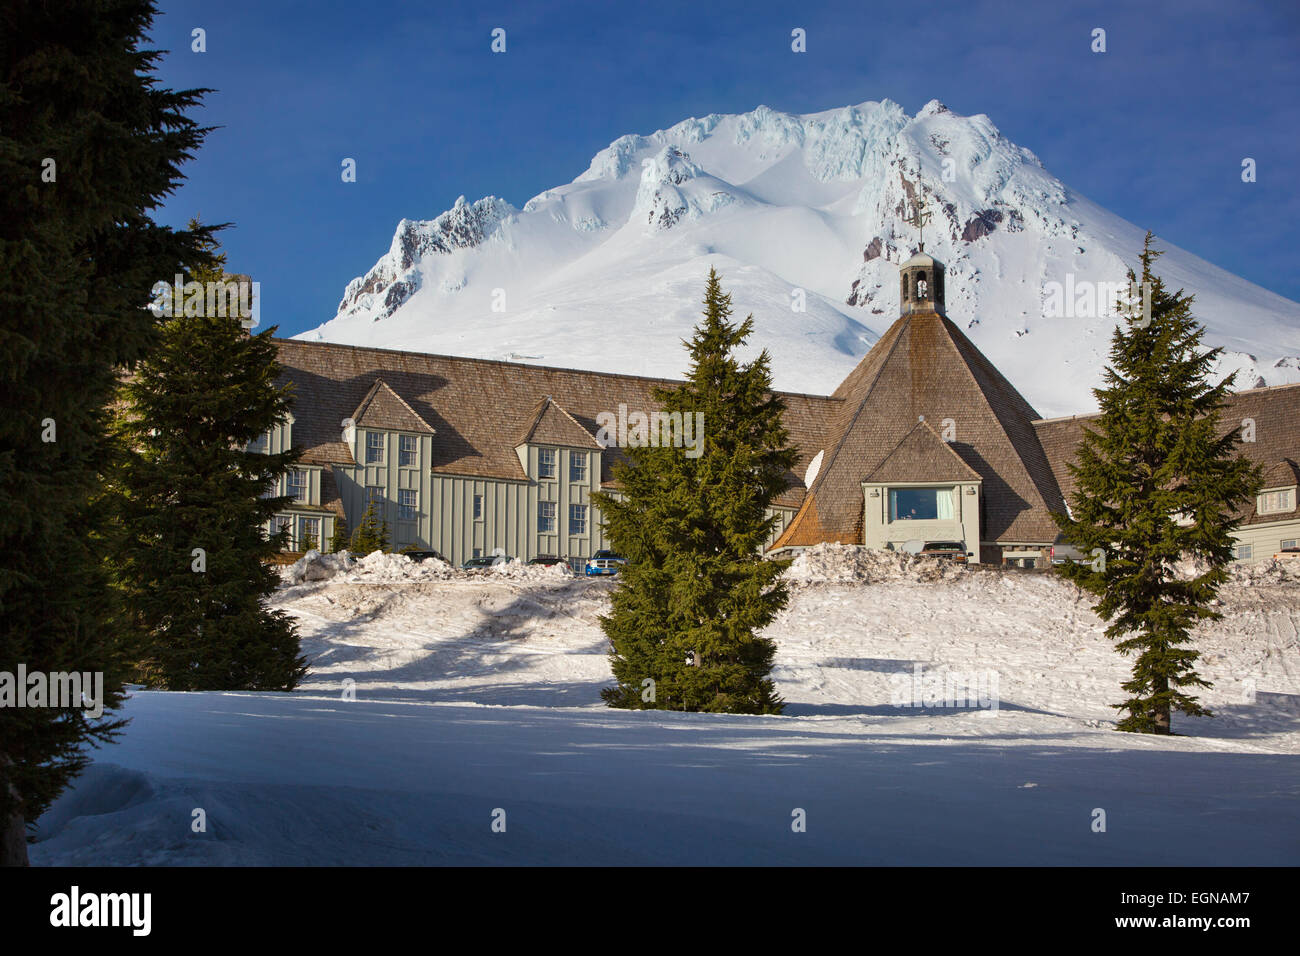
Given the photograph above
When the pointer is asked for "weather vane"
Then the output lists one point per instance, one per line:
(920, 216)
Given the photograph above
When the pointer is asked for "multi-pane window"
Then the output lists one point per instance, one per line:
(408, 450)
(309, 533)
(259, 444)
(578, 466)
(374, 448)
(546, 463)
(1288, 543)
(546, 517)
(285, 524)
(478, 507)
(1274, 502)
(408, 504)
(1244, 552)
(297, 480)
(577, 519)
(375, 496)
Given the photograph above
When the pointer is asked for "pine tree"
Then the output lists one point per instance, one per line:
(193, 556)
(371, 534)
(1157, 481)
(90, 144)
(686, 615)
(341, 539)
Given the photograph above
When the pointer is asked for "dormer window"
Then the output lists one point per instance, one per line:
(1280, 501)
(374, 448)
(408, 451)
(546, 463)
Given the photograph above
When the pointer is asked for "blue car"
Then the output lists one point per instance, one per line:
(604, 562)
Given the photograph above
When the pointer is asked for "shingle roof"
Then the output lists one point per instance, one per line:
(923, 366)
(384, 408)
(923, 455)
(1274, 413)
(477, 408)
(549, 424)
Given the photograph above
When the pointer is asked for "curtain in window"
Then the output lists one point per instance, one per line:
(943, 499)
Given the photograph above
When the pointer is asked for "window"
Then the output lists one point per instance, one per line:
(578, 466)
(1243, 552)
(309, 533)
(1288, 543)
(546, 517)
(375, 496)
(408, 504)
(258, 446)
(546, 463)
(1276, 502)
(298, 484)
(920, 504)
(374, 448)
(478, 507)
(478, 552)
(577, 519)
(284, 523)
(408, 450)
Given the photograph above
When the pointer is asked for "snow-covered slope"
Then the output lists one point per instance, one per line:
(607, 272)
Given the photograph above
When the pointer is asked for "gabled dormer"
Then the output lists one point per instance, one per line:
(552, 445)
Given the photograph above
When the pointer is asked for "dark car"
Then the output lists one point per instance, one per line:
(604, 562)
(488, 561)
(950, 550)
(423, 555)
(547, 560)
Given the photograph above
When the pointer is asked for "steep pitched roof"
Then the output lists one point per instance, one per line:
(475, 406)
(549, 424)
(1270, 415)
(923, 455)
(923, 366)
(384, 408)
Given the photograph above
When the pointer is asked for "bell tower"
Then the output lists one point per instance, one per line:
(920, 277)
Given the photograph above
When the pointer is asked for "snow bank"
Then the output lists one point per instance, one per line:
(852, 564)
(314, 566)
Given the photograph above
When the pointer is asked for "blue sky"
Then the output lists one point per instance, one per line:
(1155, 129)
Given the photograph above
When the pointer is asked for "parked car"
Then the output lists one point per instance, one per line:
(423, 555)
(1287, 554)
(950, 550)
(1062, 552)
(604, 562)
(547, 560)
(487, 561)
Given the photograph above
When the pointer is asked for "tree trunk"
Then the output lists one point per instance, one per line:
(13, 842)
(1161, 707)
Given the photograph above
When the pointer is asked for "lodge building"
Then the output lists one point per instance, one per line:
(924, 440)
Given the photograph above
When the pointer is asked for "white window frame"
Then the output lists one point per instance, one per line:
(1290, 543)
(547, 463)
(376, 495)
(578, 520)
(1244, 552)
(1285, 498)
(280, 523)
(408, 511)
(261, 445)
(374, 450)
(403, 452)
(546, 521)
(578, 467)
(303, 532)
(291, 485)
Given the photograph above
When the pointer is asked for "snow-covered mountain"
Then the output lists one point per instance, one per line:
(607, 272)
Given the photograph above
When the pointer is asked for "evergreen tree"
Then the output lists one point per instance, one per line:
(696, 591)
(1155, 458)
(341, 539)
(193, 556)
(90, 144)
(371, 534)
